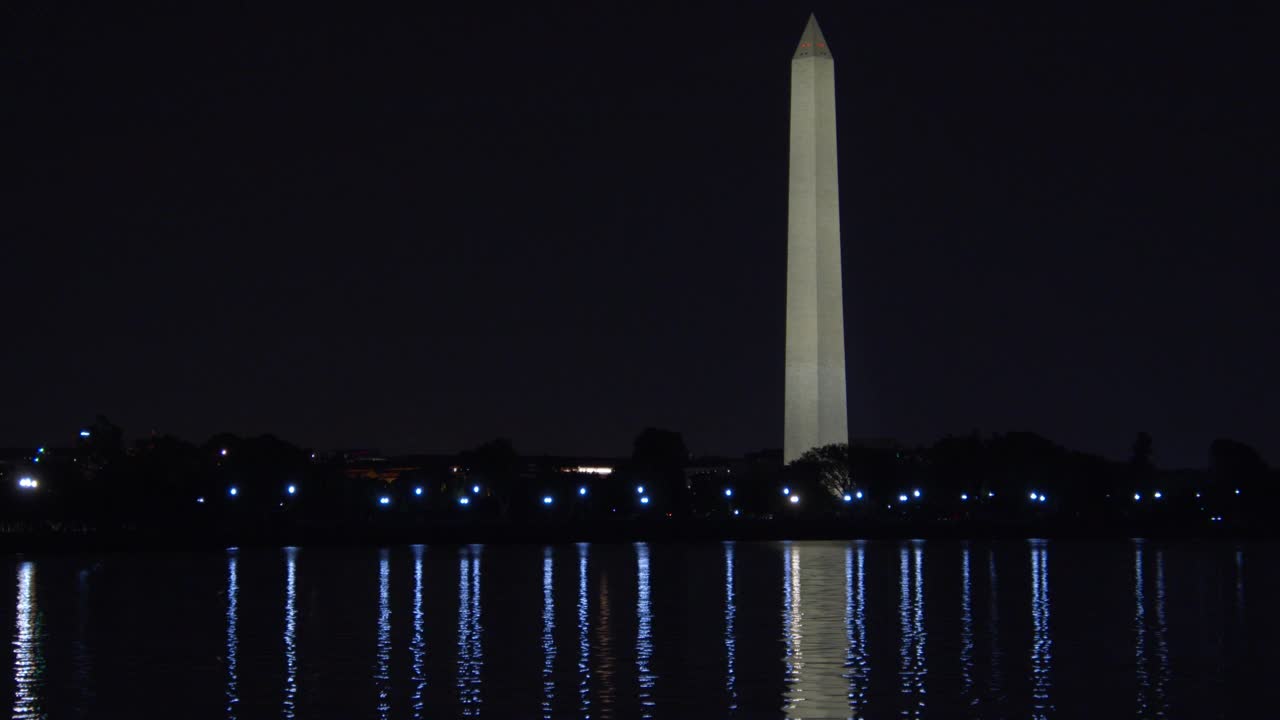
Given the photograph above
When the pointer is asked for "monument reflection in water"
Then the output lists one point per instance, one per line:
(851, 629)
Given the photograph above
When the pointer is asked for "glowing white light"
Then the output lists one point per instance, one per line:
(916, 493)
(991, 494)
(786, 491)
(475, 489)
(417, 491)
(1159, 495)
(292, 489)
(587, 470)
(464, 501)
(858, 495)
(737, 512)
(84, 433)
(223, 452)
(1237, 491)
(28, 482)
(794, 499)
(644, 500)
(200, 500)
(728, 492)
(1197, 495)
(546, 500)
(384, 500)
(1137, 497)
(639, 489)
(902, 498)
(1033, 495)
(848, 497)
(233, 491)
(582, 490)
(1043, 498)
(964, 497)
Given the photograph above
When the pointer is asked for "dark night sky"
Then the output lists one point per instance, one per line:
(353, 226)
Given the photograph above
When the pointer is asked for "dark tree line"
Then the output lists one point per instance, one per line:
(230, 481)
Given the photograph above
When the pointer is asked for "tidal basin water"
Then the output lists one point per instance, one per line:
(914, 629)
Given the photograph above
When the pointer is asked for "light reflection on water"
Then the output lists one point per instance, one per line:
(233, 639)
(995, 685)
(584, 636)
(966, 627)
(418, 644)
(1150, 635)
(730, 630)
(27, 661)
(792, 623)
(382, 675)
(857, 662)
(605, 663)
(290, 633)
(548, 635)
(470, 657)
(913, 669)
(814, 635)
(644, 632)
(1041, 642)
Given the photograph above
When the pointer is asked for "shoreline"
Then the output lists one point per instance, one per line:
(213, 538)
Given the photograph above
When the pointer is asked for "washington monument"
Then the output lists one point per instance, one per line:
(816, 406)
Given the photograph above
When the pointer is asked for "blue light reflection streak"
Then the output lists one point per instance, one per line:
(644, 631)
(470, 657)
(417, 644)
(966, 626)
(911, 619)
(1140, 631)
(584, 638)
(857, 662)
(548, 634)
(1041, 641)
(290, 633)
(730, 631)
(233, 594)
(382, 677)
(28, 665)
(793, 636)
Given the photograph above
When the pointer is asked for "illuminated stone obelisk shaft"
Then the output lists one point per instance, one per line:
(815, 405)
